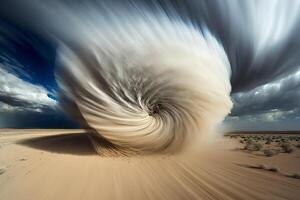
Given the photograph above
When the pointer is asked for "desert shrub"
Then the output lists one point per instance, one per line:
(270, 152)
(261, 166)
(287, 148)
(294, 175)
(253, 146)
(249, 141)
(273, 169)
(267, 168)
(269, 141)
(258, 146)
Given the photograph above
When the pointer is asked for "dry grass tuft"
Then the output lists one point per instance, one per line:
(294, 175)
(253, 146)
(287, 148)
(267, 168)
(270, 152)
(2, 171)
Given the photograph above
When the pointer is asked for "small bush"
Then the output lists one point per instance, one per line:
(270, 152)
(273, 169)
(253, 146)
(2, 171)
(261, 166)
(269, 141)
(267, 168)
(287, 148)
(294, 175)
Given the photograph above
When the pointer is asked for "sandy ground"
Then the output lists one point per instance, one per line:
(61, 164)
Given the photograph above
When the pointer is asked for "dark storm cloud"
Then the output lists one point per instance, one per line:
(19, 104)
(280, 95)
(30, 119)
(14, 102)
(272, 106)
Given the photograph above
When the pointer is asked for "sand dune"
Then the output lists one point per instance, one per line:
(49, 164)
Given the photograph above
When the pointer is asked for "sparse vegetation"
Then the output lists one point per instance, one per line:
(270, 145)
(294, 175)
(253, 146)
(262, 166)
(267, 168)
(2, 170)
(287, 148)
(273, 169)
(269, 141)
(270, 152)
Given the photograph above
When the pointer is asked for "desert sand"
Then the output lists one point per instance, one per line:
(62, 164)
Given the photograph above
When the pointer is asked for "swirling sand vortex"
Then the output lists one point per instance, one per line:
(149, 85)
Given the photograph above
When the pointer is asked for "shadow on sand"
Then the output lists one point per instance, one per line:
(71, 143)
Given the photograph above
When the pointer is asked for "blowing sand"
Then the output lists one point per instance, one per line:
(62, 164)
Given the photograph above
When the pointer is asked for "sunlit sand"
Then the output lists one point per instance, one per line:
(62, 164)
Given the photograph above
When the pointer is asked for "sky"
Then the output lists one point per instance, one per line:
(263, 49)
(27, 83)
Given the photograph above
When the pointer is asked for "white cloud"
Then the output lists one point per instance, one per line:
(17, 94)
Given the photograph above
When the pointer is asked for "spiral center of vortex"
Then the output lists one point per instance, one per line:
(149, 85)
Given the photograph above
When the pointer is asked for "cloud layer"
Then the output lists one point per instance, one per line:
(272, 103)
(17, 94)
